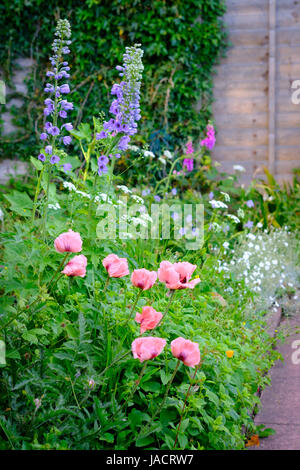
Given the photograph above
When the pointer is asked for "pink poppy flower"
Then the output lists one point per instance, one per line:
(185, 350)
(148, 319)
(68, 242)
(76, 266)
(115, 266)
(177, 275)
(147, 348)
(143, 278)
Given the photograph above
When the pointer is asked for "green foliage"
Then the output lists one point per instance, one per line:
(58, 351)
(182, 40)
(275, 205)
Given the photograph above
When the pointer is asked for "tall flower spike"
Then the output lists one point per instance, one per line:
(210, 139)
(56, 107)
(126, 106)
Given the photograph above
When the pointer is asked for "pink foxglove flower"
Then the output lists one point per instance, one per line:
(210, 140)
(115, 266)
(188, 163)
(189, 148)
(68, 242)
(147, 348)
(76, 266)
(148, 319)
(143, 279)
(177, 275)
(187, 351)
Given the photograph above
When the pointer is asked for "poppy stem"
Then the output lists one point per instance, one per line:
(167, 308)
(106, 284)
(59, 267)
(184, 405)
(136, 384)
(133, 307)
(146, 428)
(36, 299)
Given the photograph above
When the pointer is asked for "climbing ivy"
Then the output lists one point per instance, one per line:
(182, 40)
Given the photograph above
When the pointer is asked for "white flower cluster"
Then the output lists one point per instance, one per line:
(218, 204)
(55, 206)
(147, 153)
(72, 187)
(266, 262)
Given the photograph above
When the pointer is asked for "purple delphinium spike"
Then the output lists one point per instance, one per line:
(68, 126)
(56, 107)
(54, 130)
(101, 135)
(126, 107)
(102, 168)
(67, 140)
(48, 149)
(102, 160)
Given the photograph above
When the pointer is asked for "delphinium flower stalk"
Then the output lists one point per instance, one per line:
(117, 131)
(57, 106)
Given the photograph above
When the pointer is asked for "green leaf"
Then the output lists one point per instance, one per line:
(265, 432)
(39, 331)
(183, 441)
(167, 416)
(83, 133)
(28, 336)
(164, 377)
(107, 437)
(212, 397)
(136, 417)
(73, 333)
(144, 441)
(13, 354)
(151, 386)
(20, 203)
(184, 424)
(36, 163)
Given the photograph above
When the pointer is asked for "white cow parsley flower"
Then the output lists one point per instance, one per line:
(138, 199)
(234, 218)
(147, 153)
(218, 204)
(168, 154)
(69, 186)
(124, 189)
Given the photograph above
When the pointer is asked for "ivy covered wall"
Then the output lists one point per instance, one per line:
(182, 40)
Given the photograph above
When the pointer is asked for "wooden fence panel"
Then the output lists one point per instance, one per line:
(256, 120)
